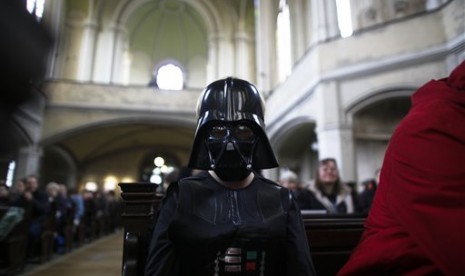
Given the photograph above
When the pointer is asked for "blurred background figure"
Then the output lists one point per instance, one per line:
(38, 199)
(330, 192)
(4, 195)
(303, 197)
(369, 189)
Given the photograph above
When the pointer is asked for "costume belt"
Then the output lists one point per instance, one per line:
(237, 260)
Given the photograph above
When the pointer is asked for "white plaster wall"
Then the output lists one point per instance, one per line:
(141, 68)
(196, 73)
(369, 157)
(353, 90)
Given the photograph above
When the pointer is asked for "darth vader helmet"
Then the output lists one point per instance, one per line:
(230, 133)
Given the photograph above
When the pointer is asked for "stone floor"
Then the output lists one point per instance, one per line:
(99, 258)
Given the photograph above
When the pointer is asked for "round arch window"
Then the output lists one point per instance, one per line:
(169, 77)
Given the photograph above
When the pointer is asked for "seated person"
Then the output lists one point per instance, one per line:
(330, 192)
(365, 198)
(304, 198)
(228, 218)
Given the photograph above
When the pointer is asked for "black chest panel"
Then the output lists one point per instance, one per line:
(231, 231)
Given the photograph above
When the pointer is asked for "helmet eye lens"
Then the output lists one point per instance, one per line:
(240, 132)
(243, 132)
(219, 132)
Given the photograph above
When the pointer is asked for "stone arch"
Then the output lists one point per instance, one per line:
(373, 119)
(116, 146)
(376, 96)
(294, 146)
(58, 165)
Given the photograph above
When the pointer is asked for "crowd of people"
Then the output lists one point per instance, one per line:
(328, 193)
(69, 217)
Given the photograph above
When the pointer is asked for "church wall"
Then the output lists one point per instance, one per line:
(399, 55)
(72, 105)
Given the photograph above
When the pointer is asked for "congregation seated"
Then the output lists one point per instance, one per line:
(50, 223)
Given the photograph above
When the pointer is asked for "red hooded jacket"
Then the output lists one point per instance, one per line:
(417, 222)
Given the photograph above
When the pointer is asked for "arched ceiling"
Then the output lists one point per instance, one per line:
(91, 145)
(167, 30)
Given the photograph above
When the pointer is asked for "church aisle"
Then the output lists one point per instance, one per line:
(101, 257)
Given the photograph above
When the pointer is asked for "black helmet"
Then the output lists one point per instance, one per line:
(231, 118)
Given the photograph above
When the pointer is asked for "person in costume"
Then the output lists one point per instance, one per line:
(416, 224)
(228, 219)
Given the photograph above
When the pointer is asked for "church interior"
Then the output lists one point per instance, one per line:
(98, 92)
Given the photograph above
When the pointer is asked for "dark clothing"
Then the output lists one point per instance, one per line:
(306, 200)
(365, 198)
(205, 228)
(40, 208)
(5, 202)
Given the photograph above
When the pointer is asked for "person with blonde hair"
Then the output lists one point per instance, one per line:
(330, 192)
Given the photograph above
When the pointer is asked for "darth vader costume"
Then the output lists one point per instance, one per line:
(207, 224)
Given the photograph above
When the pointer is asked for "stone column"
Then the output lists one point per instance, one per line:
(332, 22)
(226, 55)
(118, 60)
(265, 22)
(335, 137)
(87, 49)
(325, 24)
(298, 29)
(337, 142)
(53, 18)
(28, 161)
(212, 72)
(242, 55)
(103, 63)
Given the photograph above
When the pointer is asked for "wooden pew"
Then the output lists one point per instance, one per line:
(47, 236)
(139, 205)
(331, 238)
(14, 246)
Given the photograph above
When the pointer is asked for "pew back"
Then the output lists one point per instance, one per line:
(332, 239)
(14, 245)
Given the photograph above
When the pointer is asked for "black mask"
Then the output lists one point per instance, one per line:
(236, 174)
(231, 146)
